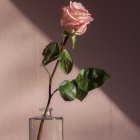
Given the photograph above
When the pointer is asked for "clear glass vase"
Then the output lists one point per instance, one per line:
(52, 127)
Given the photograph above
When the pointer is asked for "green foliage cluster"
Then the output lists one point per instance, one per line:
(87, 79)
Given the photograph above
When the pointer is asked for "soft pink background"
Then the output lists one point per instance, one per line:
(111, 42)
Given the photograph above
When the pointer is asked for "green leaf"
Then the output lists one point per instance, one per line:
(67, 90)
(81, 94)
(65, 61)
(91, 78)
(73, 37)
(50, 53)
(87, 79)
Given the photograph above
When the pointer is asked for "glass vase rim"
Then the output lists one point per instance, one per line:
(43, 108)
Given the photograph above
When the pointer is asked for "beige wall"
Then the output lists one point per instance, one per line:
(110, 113)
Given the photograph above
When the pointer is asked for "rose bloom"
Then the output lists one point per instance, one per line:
(75, 18)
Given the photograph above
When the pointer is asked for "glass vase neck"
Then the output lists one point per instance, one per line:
(48, 113)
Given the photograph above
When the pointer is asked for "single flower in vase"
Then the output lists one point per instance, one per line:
(75, 18)
(74, 22)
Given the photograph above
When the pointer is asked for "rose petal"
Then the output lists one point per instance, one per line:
(81, 30)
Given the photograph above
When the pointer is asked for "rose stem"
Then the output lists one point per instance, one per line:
(50, 88)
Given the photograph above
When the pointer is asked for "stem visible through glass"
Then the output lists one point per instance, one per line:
(63, 42)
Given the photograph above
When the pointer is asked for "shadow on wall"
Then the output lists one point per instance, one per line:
(111, 43)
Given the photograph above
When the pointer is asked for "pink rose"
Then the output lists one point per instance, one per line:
(75, 18)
